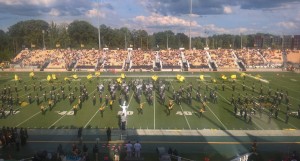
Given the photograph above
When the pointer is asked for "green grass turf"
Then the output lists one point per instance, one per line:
(217, 116)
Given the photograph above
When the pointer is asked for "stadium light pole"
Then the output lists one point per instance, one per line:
(44, 47)
(241, 41)
(190, 38)
(99, 34)
(282, 42)
(167, 34)
(125, 41)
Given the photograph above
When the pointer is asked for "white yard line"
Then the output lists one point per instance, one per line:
(185, 118)
(28, 119)
(129, 104)
(58, 120)
(229, 102)
(288, 123)
(258, 125)
(183, 112)
(66, 113)
(216, 117)
(278, 117)
(32, 115)
(154, 109)
(213, 112)
(93, 116)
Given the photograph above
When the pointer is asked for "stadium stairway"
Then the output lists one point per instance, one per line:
(72, 65)
(241, 65)
(213, 66)
(44, 65)
(284, 58)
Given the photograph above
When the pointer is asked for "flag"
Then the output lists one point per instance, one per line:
(233, 76)
(119, 80)
(75, 76)
(23, 104)
(66, 78)
(48, 78)
(54, 77)
(243, 74)
(123, 75)
(31, 74)
(154, 77)
(16, 77)
(97, 74)
(178, 76)
(181, 78)
(201, 77)
(224, 77)
(90, 76)
(258, 76)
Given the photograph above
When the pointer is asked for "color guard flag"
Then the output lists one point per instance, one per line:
(233, 76)
(16, 77)
(154, 77)
(224, 77)
(181, 78)
(90, 76)
(75, 76)
(48, 78)
(178, 76)
(119, 80)
(31, 74)
(66, 78)
(97, 74)
(201, 77)
(54, 77)
(123, 75)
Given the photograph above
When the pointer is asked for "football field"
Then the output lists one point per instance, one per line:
(218, 112)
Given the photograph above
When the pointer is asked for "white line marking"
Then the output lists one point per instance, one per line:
(183, 112)
(256, 98)
(66, 113)
(154, 107)
(129, 104)
(288, 123)
(213, 112)
(185, 118)
(93, 116)
(58, 119)
(216, 117)
(28, 119)
(257, 125)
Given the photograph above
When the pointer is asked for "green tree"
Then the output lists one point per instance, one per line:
(6, 48)
(82, 32)
(25, 33)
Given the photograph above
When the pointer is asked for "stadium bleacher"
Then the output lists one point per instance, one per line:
(63, 59)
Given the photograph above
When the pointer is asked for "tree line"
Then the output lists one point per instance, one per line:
(37, 34)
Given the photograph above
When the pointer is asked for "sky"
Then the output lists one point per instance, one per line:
(208, 17)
